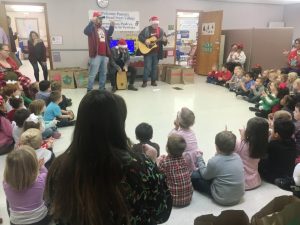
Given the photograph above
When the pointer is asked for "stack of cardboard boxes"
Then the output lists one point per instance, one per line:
(174, 74)
(70, 77)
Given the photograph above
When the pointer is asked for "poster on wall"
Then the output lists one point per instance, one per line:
(124, 20)
(208, 28)
(56, 40)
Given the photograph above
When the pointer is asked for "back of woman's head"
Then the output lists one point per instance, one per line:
(256, 134)
(20, 116)
(92, 164)
(21, 169)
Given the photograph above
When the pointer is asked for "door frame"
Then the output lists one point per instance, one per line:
(187, 11)
(46, 21)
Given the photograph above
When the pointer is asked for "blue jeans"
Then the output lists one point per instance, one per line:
(97, 64)
(150, 66)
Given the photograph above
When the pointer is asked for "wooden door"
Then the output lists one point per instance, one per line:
(3, 19)
(209, 39)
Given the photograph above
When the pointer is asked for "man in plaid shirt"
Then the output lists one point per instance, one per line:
(177, 171)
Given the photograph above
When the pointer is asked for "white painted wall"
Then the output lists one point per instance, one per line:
(291, 17)
(69, 17)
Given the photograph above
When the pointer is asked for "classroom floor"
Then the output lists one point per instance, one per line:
(214, 107)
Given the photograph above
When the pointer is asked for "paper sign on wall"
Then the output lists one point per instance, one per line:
(208, 28)
(124, 20)
(57, 40)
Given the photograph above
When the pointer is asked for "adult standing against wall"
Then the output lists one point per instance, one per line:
(151, 59)
(99, 51)
(236, 57)
(293, 58)
(108, 184)
(12, 36)
(3, 37)
(37, 54)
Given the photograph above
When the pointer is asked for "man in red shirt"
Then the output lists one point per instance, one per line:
(99, 51)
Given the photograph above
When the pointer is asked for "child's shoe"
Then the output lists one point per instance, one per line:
(56, 135)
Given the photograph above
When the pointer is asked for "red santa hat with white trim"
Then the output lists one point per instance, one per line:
(122, 43)
(154, 20)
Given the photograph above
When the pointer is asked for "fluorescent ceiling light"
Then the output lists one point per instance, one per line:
(27, 8)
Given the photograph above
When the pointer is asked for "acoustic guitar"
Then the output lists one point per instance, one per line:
(145, 49)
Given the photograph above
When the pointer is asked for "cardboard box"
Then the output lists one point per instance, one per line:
(67, 79)
(187, 75)
(81, 78)
(54, 75)
(164, 70)
(173, 75)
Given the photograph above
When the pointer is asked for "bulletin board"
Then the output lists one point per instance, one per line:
(25, 26)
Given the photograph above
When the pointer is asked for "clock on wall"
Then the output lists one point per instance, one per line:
(102, 3)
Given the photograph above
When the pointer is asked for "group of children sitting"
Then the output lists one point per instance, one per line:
(266, 149)
(46, 111)
(28, 128)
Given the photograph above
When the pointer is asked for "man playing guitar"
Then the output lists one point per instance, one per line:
(154, 37)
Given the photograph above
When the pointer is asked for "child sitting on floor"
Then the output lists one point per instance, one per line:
(256, 90)
(24, 184)
(177, 173)
(53, 111)
(245, 86)
(19, 118)
(184, 120)
(45, 90)
(297, 130)
(49, 129)
(281, 154)
(212, 75)
(268, 101)
(33, 138)
(65, 102)
(144, 134)
(292, 76)
(251, 147)
(234, 83)
(223, 76)
(16, 103)
(223, 176)
(6, 138)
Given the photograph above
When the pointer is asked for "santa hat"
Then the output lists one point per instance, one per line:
(98, 14)
(154, 20)
(122, 43)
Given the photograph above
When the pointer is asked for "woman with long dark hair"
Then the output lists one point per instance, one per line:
(99, 180)
(37, 54)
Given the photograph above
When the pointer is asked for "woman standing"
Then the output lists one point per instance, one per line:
(37, 54)
(107, 183)
(293, 58)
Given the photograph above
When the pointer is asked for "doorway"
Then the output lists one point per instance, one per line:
(24, 18)
(186, 36)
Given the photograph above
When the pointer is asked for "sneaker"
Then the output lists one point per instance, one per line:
(253, 109)
(144, 84)
(113, 89)
(56, 135)
(132, 88)
(245, 98)
(285, 183)
(153, 83)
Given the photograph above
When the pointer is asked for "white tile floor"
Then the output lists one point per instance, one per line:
(214, 108)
